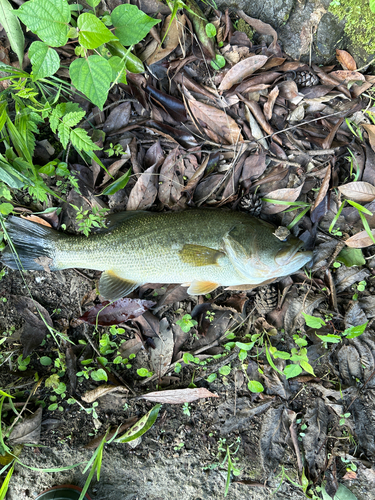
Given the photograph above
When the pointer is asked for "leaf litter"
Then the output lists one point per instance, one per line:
(182, 127)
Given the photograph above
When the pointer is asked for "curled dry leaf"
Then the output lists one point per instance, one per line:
(361, 192)
(288, 90)
(346, 60)
(370, 129)
(28, 429)
(268, 106)
(218, 121)
(144, 192)
(287, 194)
(103, 390)
(360, 240)
(262, 28)
(107, 313)
(172, 36)
(242, 70)
(161, 356)
(178, 396)
(35, 218)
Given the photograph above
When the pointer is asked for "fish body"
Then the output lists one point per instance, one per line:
(201, 248)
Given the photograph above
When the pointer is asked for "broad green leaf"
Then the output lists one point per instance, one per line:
(92, 76)
(307, 367)
(45, 361)
(92, 32)
(44, 59)
(225, 370)
(99, 374)
(142, 426)
(93, 3)
(292, 371)
(118, 184)
(210, 30)
(12, 27)
(372, 6)
(81, 141)
(211, 377)
(255, 386)
(245, 347)
(333, 339)
(6, 208)
(281, 354)
(118, 66)
(355, 331)
(351, 257)
(48, 19)
(131, 24)
(10, 176)
(313, 321)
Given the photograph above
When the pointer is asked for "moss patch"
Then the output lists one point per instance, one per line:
(242, 25)
(360, 21)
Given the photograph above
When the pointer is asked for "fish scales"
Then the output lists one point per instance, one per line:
(204, 248)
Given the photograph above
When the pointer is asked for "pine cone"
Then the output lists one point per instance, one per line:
(252, 203)
(266, 300)
(306, 79)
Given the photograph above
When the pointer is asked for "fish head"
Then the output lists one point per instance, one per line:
(290, 258)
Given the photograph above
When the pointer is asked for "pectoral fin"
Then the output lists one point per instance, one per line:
(198, 255)
(201, 287)
(112, 287)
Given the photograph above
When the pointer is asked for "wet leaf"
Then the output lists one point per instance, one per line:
(175, 107)
(178, 396)
(346, 60)
(218, 121)
(103, 390)
(107, 314)
(27, 430)
(142, 426)
(287, 194)
(161, 356)
(361, 192)
(242, 70)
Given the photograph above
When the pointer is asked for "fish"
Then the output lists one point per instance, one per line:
(199, 248)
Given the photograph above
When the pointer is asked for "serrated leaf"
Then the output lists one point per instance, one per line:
(54, 120)
(12, 27)
(131, 24)
(64, 134)
(292, 371)
(81, 140)
(44, 59)
(72, 119)
(92, 76)
(142, 426)
(92, 32)
(48, 19)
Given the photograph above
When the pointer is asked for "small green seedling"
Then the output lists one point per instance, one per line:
(186, 323)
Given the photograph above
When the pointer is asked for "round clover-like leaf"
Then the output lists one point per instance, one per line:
(48, 19)
(92, 76)
(255, 386)
(44, 59)
(92, 31)
(131, 24)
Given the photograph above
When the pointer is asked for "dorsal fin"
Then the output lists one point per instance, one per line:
(112, 287)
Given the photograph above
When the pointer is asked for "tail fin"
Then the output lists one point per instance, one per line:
(34, 245)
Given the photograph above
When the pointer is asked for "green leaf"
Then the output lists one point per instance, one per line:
(271, 363)
(219, 62)
(45, 361)
(142, 426)
(99, 374)
(53, 407)
(210, 30)
(351, 257)
(44, 59)
(245, 347)
(292, 371)
(93, 3)
(372, 6)
(64, 133)
(48, 19)
(360, 208)
(92, 76)
(131, 24)
(5, 485)
(355, 331)
(81, 140)
(118, 184)
(281, 354)
(307, 367)
(255, 386)
(12, 27)
(72, 119)
(6, 208)
(211, 377)
(92, 32)
(225, 370)
(118, 67)
(313, 321)
(333, 339)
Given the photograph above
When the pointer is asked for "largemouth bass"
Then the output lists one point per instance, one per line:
(202, 249)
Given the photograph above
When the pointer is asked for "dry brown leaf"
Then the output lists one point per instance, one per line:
(273, 62)
(35, 218)
(103, 390)
(242, 70)
(288, 89)
(361, 192)
(178, 396)
(268, 106)
(286, 194)
(360, 240)
(347, 76)
(171, 40)
(262, 28)
(171, 183)
(346, 60)
(323, 189)
(161, 355)
(218, 121)
(370, 129)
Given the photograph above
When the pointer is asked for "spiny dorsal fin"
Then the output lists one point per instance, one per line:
(198, 255)
(202, 287)
(112, 287)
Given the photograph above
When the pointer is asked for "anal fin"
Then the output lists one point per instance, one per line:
(201, 287)
(113, 287)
